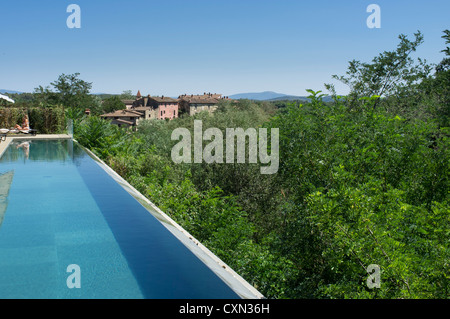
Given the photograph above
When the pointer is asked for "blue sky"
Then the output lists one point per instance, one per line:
(173, 47)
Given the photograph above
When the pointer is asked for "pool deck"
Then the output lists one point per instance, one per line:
(10, 138)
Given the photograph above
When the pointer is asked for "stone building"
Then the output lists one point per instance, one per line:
(192, 104)
(128, 103)
(124, 118)
(160, 107)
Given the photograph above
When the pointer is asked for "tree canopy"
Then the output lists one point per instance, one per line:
(67, 90)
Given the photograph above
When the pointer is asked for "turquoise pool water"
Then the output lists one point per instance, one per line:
(62, 208)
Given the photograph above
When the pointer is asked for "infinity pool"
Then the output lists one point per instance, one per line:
(61, 207)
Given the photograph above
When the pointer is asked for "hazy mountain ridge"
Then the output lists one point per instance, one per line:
(258, 96)
(3, 91)
(273, 96)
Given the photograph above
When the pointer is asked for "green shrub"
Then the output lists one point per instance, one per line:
(44, 120)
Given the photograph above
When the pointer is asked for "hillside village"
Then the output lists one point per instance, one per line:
(163, 107)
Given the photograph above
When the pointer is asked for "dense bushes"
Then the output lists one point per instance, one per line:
(45, 120)
(374, 189)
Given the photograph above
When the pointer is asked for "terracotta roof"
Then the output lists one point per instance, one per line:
(197, 100)
(163, 99)
(204, 96)
(123, 113)
(138, 94)
(128, 101)
(124, 122)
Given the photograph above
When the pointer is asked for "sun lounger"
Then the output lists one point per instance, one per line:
(30, 131)
(4, 132)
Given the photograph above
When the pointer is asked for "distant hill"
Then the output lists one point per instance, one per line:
(267, 95)
(3, 91)
(299, 98)
(261, 96)
(289, 98)
(18, 92)
(273, 96)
